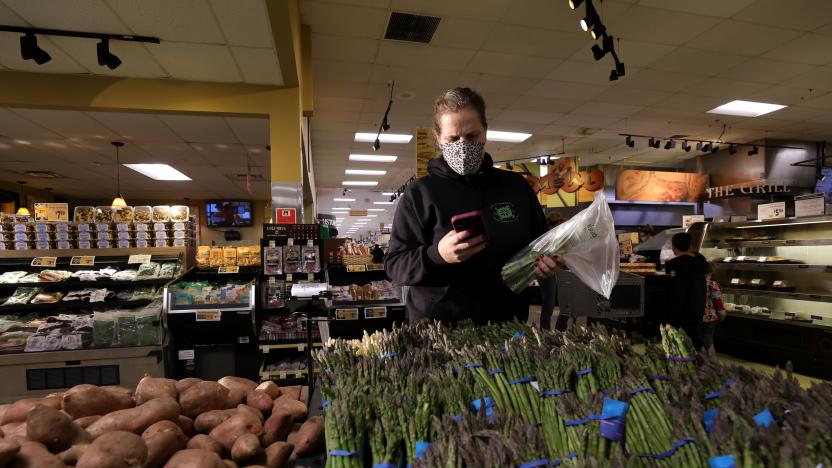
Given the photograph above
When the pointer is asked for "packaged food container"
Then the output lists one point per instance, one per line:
(22, 245)
(102, 227)
(142, 227)
(179, 226)
(83, 227)
(85, 236)
(160, 226)
(6, 218)
(783, 285)
(739, 282)
(63, 244)
(84, 214)
(4, 246)
(43, 227)
(142, 214)
(102, 235)
(103, 244)
(180, 242)
(84, 244)
(141, 243)
(160, 243)
(6, 237)
(179, 213)
(758, 283)
(21, 227)
(62, 236)
(22, 218)
(143, 235)
(62, 227)
(123, 235)
(180, 234)
(123, 214)
(122, 227)
(43, 236)
(43, 245)
(161, 214)
(160, 234)
(123, 244)
(104, 214)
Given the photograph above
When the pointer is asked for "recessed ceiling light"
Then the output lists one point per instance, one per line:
(158, 171)
(340, 208)
(364, 172)
(372, 216)
(746, 108)
(376, 209)
(511, 137)
(339, 219)
(373, 158)
(382, 203)
(363, 183)
(23, 142)
(343, 199)
(384, 137)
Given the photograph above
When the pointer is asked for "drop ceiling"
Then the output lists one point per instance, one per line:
(215, 152)
(535, 69)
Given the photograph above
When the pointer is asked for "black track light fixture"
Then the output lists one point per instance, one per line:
(597, 52)
(613, 75)
(686, 146)
(671, 144)
(754, 150)
(376, 144)
(651, 142)
(706, 147)
(105, 57)
(630, 142)
(698, 146)
(575, 3)
(732, 149)
(385, 125)
(619, 68)
(29, 49)
(715, 149)
(509, 166)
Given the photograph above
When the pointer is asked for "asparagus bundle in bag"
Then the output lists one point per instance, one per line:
(587, 243)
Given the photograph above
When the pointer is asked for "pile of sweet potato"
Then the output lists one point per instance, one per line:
(165, 423)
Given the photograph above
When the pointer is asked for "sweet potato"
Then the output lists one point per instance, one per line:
(90, 400)
(18, 410)
(211, 419)
(295, 408)
(195, 458)
(246, 447)
(162, 444)
(277, 454)
(238, 382)
(8, 449)
(34, 455)
(150, 388)
(260, 400)
(229, 431)
(54, 429)
(136, 419)
(71, 455)
(292, 438)
(204, 442)
(304, 394)
(292, 392)
(202, 397)
(86, 421)
(236, 396)
(117, 449)
(186, 424)
(310, 437)
(17, 429)
(232, 464)
(3, 409)
(250, 410)
(276, 428)
(186, 383)
(271, 388)
(160, 426)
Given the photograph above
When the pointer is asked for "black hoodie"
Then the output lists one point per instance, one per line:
(474, 288)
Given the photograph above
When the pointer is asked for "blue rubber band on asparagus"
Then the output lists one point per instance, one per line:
(713, 395)
(342, 453)
(534, 463)
(583, 371)
(522, 380)
(547, 393)
(494, 372)
(642, 389)
(576, 422)
(389, 355)
(472, 365)
(679, 444)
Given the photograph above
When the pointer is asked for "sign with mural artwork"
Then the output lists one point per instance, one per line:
(425, 150)
(564, 184)
(660, 186)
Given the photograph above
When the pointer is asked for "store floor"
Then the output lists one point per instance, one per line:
(805, 381)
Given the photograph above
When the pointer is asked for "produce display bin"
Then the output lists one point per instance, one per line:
(577, 300)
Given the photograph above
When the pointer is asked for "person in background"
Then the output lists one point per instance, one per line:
(377, 253)
(714, 308)
(646, 232)
(687, 287)
(550, 301)
(453, 276)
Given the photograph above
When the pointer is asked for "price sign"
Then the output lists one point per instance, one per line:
(375, 267)
(243, 340)
(51, 212)
(346, 314)
(688, 220)
(45, 262)
(356, 268)
(208, 316)
(141, 259)
(228, 269)
(185, 354)
(85, 260)
(375, 312)
(809, 205)
(771, 211)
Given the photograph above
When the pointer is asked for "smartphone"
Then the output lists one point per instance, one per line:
(471, 221)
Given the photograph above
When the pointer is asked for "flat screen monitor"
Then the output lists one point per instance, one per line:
(228, 213)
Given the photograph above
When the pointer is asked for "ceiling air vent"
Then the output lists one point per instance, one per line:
(411, 28)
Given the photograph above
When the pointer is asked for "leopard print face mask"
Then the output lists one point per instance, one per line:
(464, 156)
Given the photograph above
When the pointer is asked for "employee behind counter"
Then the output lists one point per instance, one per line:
(454, 275)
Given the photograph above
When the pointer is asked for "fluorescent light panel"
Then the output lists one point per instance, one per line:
(364, 172)
(746, 108)
(373, 158)
(343, 199)
(158, 171)
(382, 203)
(388, 194)
(384, 137)
(510, 137)
(362, 183)
(376, 209)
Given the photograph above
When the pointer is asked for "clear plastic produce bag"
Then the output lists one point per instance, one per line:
(587, 243)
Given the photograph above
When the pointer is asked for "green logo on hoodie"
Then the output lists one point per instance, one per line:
(504, 212)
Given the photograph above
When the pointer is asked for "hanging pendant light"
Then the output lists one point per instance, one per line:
(22, 211)
(119, 199)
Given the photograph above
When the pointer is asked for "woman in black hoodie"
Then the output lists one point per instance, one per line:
(456, 276)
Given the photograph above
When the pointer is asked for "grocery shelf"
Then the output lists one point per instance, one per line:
(785, 267)
(764, 318)
(283, 375)
(244, 270)
(78, 284)
(299, 345)
(768, 243)
(68, 253)
(89, 354)
(779, 295)
(74, 305)
(371, 303)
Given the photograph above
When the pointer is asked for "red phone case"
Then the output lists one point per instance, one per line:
(470, 221)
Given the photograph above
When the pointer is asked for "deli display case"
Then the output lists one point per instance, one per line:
(776, 278)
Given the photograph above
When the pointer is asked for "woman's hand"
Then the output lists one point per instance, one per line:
(546, 267)
(456, 247)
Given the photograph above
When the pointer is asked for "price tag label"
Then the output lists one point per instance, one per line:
(771, 211)
(281, 375)
(346, 314)
(375, 312)
(762, 259)
(809, 205)
(375, 267)
(140, 259)
(185, 354)
(688, 220)
(356, 268)
(289, 277)
(309, 243)
(85, 260)
(51, 212)
(208, 316)
(228, 269)
(243, 340)
(310, 277)
(290, 241)
(741, 258)
(45, 262)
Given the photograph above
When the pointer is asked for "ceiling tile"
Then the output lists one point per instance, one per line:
(630, 96)
(344, 20)
(199, 62)
(136, 61)
(805, 15)
(60, 63)
(564, 90)
(697, 62)
(653, 25)
(200, 129)
(632, 53)
(765, 71)
(338, 104)
(343, 71)
(814, 49)
(583, 72)
(345, 49)
(721, 8)
(690, 102)
(722, 88)
(523, 40)
(797, 113)
(549, 14)
(440, 58)
(656, 80)
(491, 10)
(10, 18)
(818, 78)
(511, 65)
(742, 38)
(14, 126)
(182, 20)
(244, 23)
(461, 33)
(514, 115)
(339, 89)
(409, 77)
(487, 83)
(259, 66)
(606, 109)
(787, 95)
(823, 102)
(83, 15)
(69, 124)
(584, 120)
(250, 131)
(146, 127)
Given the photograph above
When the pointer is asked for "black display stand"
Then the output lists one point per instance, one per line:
(350, 319)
